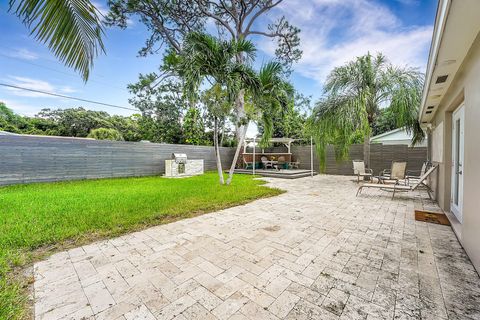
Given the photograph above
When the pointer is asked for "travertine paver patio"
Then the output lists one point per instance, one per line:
(315, 252)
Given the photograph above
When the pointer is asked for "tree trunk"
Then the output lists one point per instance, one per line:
(222, 136)
(366, 150)
(241, 131)
(217, 153)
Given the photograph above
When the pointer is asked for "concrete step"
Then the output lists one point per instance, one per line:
(275, 174)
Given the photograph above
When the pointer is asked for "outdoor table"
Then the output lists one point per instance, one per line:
(272, 162)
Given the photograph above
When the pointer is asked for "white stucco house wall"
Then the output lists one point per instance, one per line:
(397, 136)
(450, 112)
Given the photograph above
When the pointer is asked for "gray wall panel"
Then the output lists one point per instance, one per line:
(381, 157)
(25, 159)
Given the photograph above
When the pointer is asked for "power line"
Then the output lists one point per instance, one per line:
(58, 71)
(66, 97)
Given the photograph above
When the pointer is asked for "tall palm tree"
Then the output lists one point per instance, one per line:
(206, 59)
(273, 94)
(354, 94)
(72, 29)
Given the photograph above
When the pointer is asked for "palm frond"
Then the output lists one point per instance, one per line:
(245, 47)
(406, 92)
(276, 95)
(72, 29)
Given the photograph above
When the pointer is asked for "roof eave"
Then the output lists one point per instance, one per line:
(440, 20)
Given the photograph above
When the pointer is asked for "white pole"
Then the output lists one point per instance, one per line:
(311, 156)
(253, 161)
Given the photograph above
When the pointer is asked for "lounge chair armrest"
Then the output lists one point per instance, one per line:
(385, 172)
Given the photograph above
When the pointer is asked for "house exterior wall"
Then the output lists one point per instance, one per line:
(397, 137)
(465, 88)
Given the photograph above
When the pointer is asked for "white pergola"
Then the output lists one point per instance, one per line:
(286, 141)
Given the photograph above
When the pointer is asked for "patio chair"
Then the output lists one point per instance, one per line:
(280, 163)
(395, 174)
(247, 164)
(294, 164)
(398, 188)
(360, 171)
(266, 164)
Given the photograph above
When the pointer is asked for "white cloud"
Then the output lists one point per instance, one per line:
(35, 84)
(67, 89)
(26, 54)
(21, 53)
(409, 2)
(336, 31)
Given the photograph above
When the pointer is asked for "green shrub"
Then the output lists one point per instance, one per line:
(105, 134)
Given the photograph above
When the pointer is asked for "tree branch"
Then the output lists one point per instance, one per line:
(259, 13)
(160, 22)
(216, 18)
(233, 13)
(266, 34)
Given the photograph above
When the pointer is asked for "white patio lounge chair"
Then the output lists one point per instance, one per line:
(413, 176)
(398, 187)
(360, 171)
(395, 174)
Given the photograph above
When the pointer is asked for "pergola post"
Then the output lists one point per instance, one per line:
(311, 156)
(253, 160)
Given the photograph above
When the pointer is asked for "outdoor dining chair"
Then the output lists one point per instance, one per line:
(294, 164)
(280, 163)
(266, 163)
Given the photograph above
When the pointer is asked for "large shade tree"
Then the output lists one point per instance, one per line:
(169, 23)
(355, 93)
(72, 29)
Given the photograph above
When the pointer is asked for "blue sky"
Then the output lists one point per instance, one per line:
(333, 32)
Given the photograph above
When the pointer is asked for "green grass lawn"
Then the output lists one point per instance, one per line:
(38, 219)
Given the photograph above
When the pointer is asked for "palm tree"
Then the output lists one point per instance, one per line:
(273, 94)
(218, 105)
(72, 29)
(354, 94)
(276, 95)
(205, 59)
